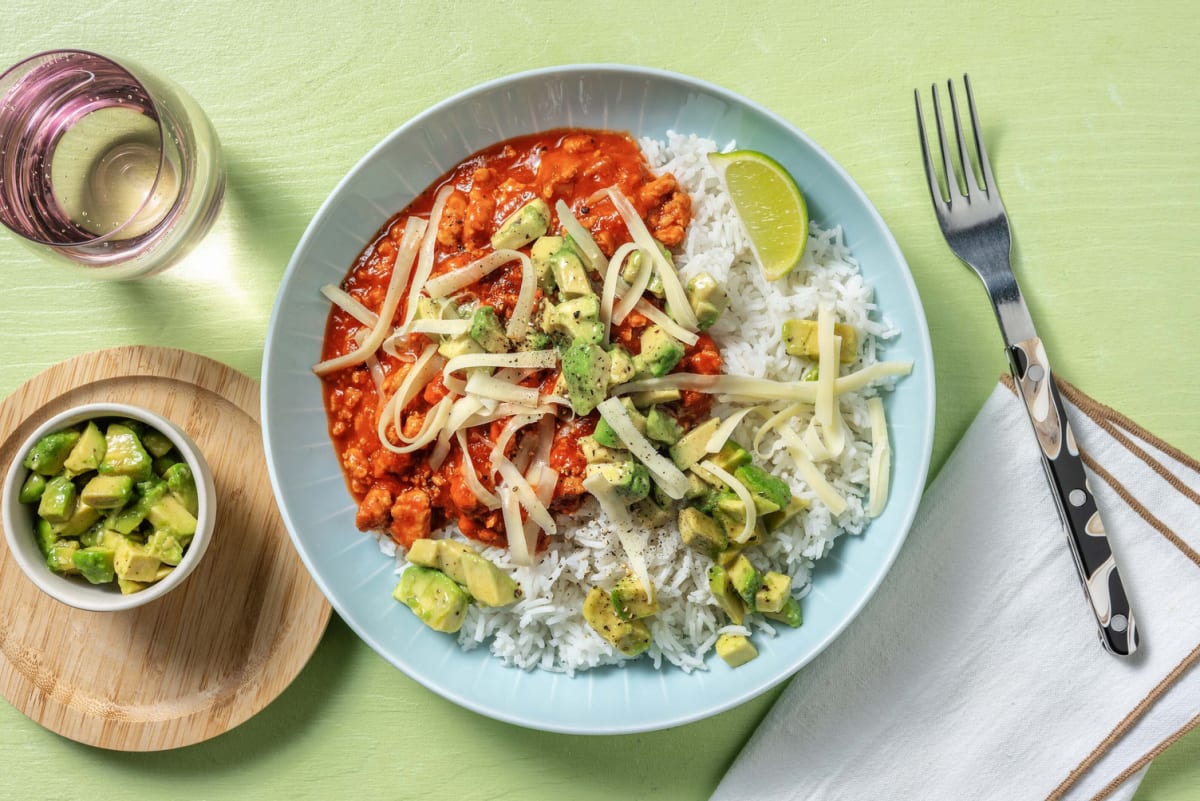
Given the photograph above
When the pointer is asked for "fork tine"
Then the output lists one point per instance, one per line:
(952, 187)
(985, 166)
(935, 191)
(964, 154)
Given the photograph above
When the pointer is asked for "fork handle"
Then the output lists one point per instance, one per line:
(1074, 498)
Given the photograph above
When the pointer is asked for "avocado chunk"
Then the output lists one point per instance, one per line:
(633, 268)
(578, 319)
(162, 463)
(606, 436)
(166, 547)
(49, 453)
(620, 368)
(646, 399)
(486, 583)
(58, 500)
(660, 353)
(88, 451)
(735, 649)
(182, 484)
(128, 587)
(83, 518)
(789, 614)
(32, 488)
(544, 248)
(127, 520)
(47, 535)
(729, 600)
(594, 452)
(745, 579)
(773, 594)
(774, 520)
(169, 515)
(107, 492)
(60, 557)
(650, 512)
(731, 456)
(693, 446)
(124, 454)
(95, 564)
(630, 601)
(630, 637)
(433, 597)
(133, 562)
(487, 331)
(697, 487)
(570, 275)
(800, 339)
(585, 371)
(630, 479)
(707, 299)
(523, 226)
(156, 443)
(460, 345)
(765, 487)
(701, 533)
(535, 340)
(662, 427)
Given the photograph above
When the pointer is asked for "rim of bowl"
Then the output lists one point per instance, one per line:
(101, 597)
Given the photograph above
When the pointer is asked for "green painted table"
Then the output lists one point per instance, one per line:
(1091, 109)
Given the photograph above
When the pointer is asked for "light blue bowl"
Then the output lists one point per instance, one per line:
(319, 511)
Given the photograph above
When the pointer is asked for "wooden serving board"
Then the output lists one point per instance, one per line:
(209, 654)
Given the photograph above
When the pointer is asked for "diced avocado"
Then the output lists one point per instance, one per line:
(128, 587)
(163, 463)
(156, 443)
(630, 479)
(585, 371)
(774, 593)
(539, 254)
(433, 597)
(162, 572)
(701, 533)
(487, 331)
(424, 552)
(95, 564)
(127, 520)
(662, 427)
(620, 368)
(61, 557)
(81, 519)
(800, 339)
(578, 319)
(460, 345)
(32, 488)
(134, 563)
(93, 536)
(430, 309)
(88, 451)
(633, 268)
(58, 500)
(697, 487)
(646, 399)
(764, 485)
(731, 456)
(124, 454)
(789, 614)
(707, 299)
(107, 492)
(629, 600)
(693, 446)
(49, 453)
(774, 520)
(523, 226)
(47, 535)
(182, 484)
(488, 584)
(650, 512)
(570, 275)
(606, 436)
(660, 353)
(708, 478)
(718, 584)
(166, 547)
(595, 452)
(735, 649)
(745, 580)
(451, 554)
(730, 512)
(630, 637)
(536, 340)
(170, 515)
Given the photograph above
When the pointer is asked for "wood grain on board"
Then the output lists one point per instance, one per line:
(214, 651)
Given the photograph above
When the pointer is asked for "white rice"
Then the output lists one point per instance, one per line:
(546, 628)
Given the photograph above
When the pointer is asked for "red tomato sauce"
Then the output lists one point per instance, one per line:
(401, 493)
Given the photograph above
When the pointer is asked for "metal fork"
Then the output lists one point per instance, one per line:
(975, 225)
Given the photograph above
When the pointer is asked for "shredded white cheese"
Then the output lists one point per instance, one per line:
(880, 465)
(743, 494)
(669, 477)
(425, 257)
(592, 256)
(633, 539)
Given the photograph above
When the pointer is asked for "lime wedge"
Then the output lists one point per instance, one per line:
(770, 206)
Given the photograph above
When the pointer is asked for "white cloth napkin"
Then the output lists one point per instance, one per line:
(976, 671)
